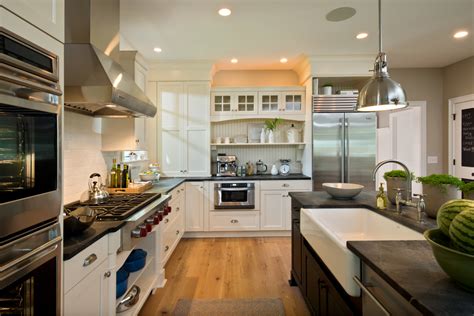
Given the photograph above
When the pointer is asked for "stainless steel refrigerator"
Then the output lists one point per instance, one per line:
(344, 148)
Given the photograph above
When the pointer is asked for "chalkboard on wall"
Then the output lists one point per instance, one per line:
(467, 138)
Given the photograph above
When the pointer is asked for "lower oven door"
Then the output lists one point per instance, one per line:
(30, 271)
(232, 196)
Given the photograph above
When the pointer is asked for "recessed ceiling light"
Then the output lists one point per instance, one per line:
(362, 35)
(225, 12)
(283, 60)
(461, 34)
(157, 50)
(234, 60)
(111, 105)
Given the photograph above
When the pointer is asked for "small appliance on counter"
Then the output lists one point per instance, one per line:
(226, 166)
(97, 193)
(261, 167)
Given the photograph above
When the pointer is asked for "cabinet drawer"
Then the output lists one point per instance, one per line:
(234, 220)
(177, 193)
(170, 237)
(78, 267)
(287, 185)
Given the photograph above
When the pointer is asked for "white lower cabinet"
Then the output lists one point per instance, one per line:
(89, 279)
(90, 295)
(195, 203)
(273, 213)
(234, 220)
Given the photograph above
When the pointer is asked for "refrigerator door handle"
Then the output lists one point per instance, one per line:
(342, 130)
(346, 149)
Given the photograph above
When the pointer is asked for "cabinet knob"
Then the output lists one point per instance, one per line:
(177, 232)
(285, 185)
(177, 209)
(89, 260)
(234, 221)
(107, 274)
(167, 248)
(137, 141)
(166, 220)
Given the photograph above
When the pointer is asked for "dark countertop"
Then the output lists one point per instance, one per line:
(74, 245)
(320, 199)
(411, 269)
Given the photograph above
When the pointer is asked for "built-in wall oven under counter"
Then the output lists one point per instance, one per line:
(232, 196)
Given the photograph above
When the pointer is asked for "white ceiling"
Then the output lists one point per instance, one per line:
(417, 33)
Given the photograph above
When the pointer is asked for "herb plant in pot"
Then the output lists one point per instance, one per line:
(468, 190)
(396, 179)
(271, 126)
(439, 189)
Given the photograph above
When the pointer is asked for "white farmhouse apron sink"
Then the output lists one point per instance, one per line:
(328, 230)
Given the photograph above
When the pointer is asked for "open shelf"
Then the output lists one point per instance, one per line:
(135, 278)
(258, 144)
(146, 285)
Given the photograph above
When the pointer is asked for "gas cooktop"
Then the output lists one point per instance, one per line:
(118, 206)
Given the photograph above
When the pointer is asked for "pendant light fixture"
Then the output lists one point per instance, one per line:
(381, 93)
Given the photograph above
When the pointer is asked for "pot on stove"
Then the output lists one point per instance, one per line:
(96, 193)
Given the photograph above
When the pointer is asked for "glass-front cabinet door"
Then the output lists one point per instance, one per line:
(293, 102)
(246, 103)
(221, 104)
(269, 102)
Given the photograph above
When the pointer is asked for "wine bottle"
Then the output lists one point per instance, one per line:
(119, 176)
(125, 176)
(113, 174)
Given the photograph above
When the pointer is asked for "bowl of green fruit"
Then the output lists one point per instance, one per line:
(453, 241)
(149, 175)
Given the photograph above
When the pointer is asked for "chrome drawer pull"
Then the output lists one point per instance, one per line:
(89, 260)
(107, 274)
(371, 296)
(285, 185)
(234, 221)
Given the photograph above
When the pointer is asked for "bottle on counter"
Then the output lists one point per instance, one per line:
(381, 198)
(113, 174)
(125, 177)
(119, 176)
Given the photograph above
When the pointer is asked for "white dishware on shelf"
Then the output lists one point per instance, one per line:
(218, 140)
(293, 134)
(262, 136)
(226, 140)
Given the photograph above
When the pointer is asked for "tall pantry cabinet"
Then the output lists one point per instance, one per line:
(183, 122)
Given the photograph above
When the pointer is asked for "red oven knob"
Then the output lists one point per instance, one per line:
(160, 215)
(156, 219)
(143, 230)
(149, 227)
(168, 209)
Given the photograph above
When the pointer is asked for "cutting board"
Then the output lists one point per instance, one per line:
(132, 188)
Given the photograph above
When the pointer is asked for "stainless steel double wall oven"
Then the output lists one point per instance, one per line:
(30, 178)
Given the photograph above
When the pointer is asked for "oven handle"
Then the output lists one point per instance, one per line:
(30, 254)
(29, 83)
(234, 189)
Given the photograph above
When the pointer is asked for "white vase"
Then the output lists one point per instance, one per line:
(271, 137)
(262, 136)
(274, 170)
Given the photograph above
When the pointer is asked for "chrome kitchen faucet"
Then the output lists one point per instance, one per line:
(420, 204)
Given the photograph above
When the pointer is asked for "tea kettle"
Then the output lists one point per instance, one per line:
(261, 167)
(96, 193)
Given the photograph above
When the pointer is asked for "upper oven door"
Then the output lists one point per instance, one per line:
(29, 136)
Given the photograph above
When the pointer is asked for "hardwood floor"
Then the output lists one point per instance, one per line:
(228, 268)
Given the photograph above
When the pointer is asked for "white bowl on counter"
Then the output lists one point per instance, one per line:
(342, 191)
(149, 176)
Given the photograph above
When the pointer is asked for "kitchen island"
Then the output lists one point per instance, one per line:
(407, 267)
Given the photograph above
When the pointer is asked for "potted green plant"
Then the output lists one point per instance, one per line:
(271, 126)
(396, 179)
(439, 189)
(327, 89)
(468, 190)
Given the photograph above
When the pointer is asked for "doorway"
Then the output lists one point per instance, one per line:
(404, 140)
(461, 137)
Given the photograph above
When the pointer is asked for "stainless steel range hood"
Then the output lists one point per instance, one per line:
(95, 84)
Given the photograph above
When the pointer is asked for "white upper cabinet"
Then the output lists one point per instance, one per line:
(185, 128)
(233, 103)
(236, 103)
(47, 15)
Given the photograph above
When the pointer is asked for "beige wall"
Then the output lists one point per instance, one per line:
(458, 80)
(425, 84)
(255, 78)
